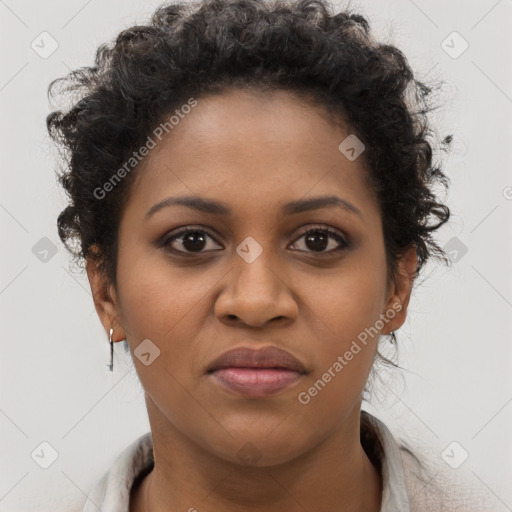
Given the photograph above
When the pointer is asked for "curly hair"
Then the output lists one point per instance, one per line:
(199, 48)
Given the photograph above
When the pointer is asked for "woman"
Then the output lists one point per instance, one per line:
(251, 190)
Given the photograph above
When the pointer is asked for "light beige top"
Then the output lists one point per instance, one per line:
(407, 485)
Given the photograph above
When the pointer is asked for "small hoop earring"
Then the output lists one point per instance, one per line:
(110, 340)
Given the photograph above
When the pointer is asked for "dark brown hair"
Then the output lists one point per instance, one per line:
(192, 49)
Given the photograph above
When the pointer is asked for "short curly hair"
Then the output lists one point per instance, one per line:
(199, 48)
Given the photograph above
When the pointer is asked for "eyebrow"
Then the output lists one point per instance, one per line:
(215, 207)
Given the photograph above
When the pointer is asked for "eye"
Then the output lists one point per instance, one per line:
(193, 240)
(317, 240)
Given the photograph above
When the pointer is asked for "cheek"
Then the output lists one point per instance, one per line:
(344, 313)
(167, 305)
(349, 300)
(154, 296)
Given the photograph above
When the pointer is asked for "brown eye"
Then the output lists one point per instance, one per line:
(189, 240)
(317, 240)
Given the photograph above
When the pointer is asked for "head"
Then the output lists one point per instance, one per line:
(295, 150)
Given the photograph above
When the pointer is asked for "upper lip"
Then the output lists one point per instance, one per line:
(267, 357)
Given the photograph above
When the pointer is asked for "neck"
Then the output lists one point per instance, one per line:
(335, 475)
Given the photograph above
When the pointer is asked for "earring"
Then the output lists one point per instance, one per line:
(111, 365)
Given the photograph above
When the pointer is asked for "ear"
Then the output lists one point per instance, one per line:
(105, 300)
(400, 292)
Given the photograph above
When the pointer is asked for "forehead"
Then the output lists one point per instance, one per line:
(246, 145)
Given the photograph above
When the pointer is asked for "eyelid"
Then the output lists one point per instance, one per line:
(343, 239)
(179, 232)
(339, 236)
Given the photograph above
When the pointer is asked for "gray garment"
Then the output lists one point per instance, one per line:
(405, 487)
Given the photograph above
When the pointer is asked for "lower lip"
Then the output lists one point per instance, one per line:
(256, 382)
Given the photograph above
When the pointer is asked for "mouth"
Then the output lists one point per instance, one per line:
(256, 373)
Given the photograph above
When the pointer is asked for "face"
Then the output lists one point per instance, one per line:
(247, 275)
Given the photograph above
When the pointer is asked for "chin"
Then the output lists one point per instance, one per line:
(260, 449)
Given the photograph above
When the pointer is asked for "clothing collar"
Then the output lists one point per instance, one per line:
(112, 492)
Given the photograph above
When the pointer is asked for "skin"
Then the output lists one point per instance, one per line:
(255, 153)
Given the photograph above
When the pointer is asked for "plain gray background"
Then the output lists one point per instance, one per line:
(455, 345)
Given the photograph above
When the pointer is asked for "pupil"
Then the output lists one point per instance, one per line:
(316, 244)
(193, 241)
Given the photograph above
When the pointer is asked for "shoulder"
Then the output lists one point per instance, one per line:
(111, 491)
(417, 478)
(433, 485)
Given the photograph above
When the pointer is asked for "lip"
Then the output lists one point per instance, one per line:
(256, 373)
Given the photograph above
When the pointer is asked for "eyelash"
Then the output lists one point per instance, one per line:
(345, 244)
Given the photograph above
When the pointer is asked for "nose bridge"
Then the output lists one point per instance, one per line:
(252, 272)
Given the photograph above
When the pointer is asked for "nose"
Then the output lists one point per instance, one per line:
(255, 294)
